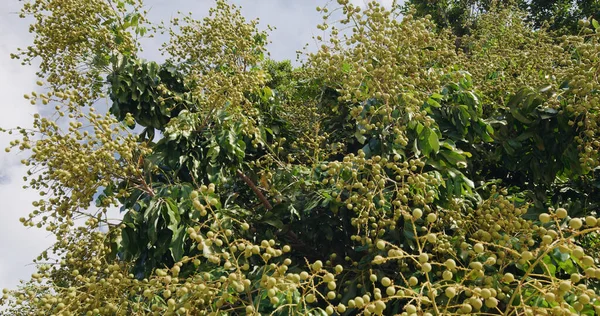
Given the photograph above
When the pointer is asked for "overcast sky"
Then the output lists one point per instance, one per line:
(295, 21)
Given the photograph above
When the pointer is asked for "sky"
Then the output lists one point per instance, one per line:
(295, 22)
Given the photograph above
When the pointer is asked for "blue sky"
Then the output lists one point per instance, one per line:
(295, 21)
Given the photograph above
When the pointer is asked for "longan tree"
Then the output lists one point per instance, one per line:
(389, 173)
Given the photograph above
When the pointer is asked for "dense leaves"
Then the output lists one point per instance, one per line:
(462, 15)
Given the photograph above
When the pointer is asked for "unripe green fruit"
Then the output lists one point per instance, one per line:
(476, 265)
(447, 275)
(575, 223)
(426, 267)
(584, 299)
(373, 278)
(478, 248)
(431, 238)
(386, 281)
(331, 285)
(491, 302)
(450, 264)
(578, 253)
(561, 212)
(310, 298)
(412, 281)
(587, 261)
(508, 277)
(450, 292)
(564, 286)
(476, 303)
(390, 291)
(380, 244)
(417, 213)
(545, 218)
(431, 217)
(318, 265)
(328, 277)
(466, 308)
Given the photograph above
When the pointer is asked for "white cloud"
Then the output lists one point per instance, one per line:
(18, 244)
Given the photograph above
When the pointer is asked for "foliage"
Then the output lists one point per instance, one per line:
(460, 15)
(391, 173)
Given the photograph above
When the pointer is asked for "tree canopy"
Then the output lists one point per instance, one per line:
(460, 15)
(391, 172)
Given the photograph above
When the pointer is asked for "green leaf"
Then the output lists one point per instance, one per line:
(346, 68)
(595, 24)
(176, 246)
(274, 222)
(360, 137)
(434, 141)
(549, 266)
(173, 213)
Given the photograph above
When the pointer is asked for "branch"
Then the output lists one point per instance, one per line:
(256, 190)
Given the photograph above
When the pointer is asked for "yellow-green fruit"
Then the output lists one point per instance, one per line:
(591, 221)
(545, 217)
(561, 212)
(426, 267)
(380, 244)
(412, 281)
(390, 291)
(550, 297)
(478, 248)
(564, 286)
(587, 261)
(584, 299)
(476, 303)
(575, 223)
(527, 255)
(417, 213)
(386, 281)
(447, 275)
(317, 265)
(431, 217)
(491, 302)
